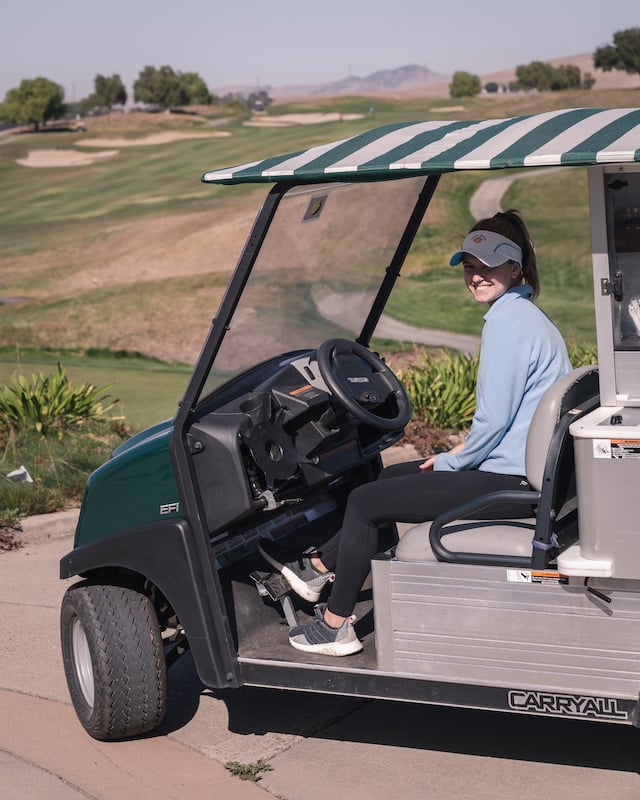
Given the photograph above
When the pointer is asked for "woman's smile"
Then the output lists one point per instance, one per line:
(487, 284)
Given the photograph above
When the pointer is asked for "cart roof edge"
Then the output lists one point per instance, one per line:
(565, 137)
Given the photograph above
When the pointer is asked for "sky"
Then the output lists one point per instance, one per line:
(259, 43)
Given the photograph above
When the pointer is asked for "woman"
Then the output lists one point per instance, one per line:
(522, 354)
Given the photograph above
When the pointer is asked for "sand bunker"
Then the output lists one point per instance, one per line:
(260, 120)
(165, 137)
(77, 158)
(63, 158)
(446, 109)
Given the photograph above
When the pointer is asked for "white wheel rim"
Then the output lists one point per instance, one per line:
(82, 661)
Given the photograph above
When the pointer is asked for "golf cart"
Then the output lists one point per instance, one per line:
(288, 409)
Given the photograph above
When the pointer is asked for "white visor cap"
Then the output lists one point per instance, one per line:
(489, 247)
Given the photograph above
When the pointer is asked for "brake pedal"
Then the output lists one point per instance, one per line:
(274, 586)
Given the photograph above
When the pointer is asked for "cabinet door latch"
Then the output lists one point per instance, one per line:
(613, 287)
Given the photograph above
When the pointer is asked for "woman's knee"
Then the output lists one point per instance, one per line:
(369, 504)
(360, 497)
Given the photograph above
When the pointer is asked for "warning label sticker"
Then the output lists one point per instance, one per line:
(625, 448)
(616, 448)
(601, 448)
(536, 576)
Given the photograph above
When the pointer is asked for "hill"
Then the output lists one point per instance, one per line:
(408, 78)
(387, 80)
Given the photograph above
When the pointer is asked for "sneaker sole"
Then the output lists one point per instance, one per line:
(329, 649)
(300, 587)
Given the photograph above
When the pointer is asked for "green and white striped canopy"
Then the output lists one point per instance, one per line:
(577, 137)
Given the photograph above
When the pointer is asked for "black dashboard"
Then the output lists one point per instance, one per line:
(274, 434)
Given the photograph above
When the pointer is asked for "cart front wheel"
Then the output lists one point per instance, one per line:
(113, 660)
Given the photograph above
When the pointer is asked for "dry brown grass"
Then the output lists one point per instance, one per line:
(111, 293)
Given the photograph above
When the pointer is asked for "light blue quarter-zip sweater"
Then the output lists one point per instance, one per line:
(522, 354)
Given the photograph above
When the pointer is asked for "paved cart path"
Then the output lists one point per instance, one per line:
(317, 746)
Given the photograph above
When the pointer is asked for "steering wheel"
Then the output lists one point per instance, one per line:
(359, 387)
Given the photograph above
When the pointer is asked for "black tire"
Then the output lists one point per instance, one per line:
(113, 660)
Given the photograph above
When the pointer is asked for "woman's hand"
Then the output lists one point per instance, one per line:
(427, 465)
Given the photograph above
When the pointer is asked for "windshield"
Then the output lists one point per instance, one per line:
(318, 270)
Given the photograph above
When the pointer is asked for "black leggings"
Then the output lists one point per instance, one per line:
(402, 493)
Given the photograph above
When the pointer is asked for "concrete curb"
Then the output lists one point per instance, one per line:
(46, 527)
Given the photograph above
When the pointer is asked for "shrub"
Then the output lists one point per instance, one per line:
(582, 355)
(464, 84)
(442, 389)
(50, 403)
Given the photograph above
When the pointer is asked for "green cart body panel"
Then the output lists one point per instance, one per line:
(135, 487)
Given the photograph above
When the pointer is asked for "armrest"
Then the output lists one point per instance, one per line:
(469, 509)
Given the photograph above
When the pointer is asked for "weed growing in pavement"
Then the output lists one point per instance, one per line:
(248, 772)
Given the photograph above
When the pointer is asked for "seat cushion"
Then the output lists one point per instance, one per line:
(510, 537)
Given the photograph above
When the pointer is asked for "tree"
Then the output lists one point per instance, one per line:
(109, 91)
(159, 86)
(536, 75)
(34, 102)
(623, 54)
(464, 84)
(566, 76)
(167, 88)
(196, 89)
(543, 77)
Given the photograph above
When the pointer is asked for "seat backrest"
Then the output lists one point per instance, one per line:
(567, 394)
(550, 465)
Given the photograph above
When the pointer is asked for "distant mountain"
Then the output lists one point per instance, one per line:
(386, 80)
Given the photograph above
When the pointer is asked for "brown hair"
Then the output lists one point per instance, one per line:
(510, 224)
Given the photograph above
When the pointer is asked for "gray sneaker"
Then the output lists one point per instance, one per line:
(298, 571)
(318, 637)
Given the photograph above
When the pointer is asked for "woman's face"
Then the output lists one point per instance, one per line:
(487, 284)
